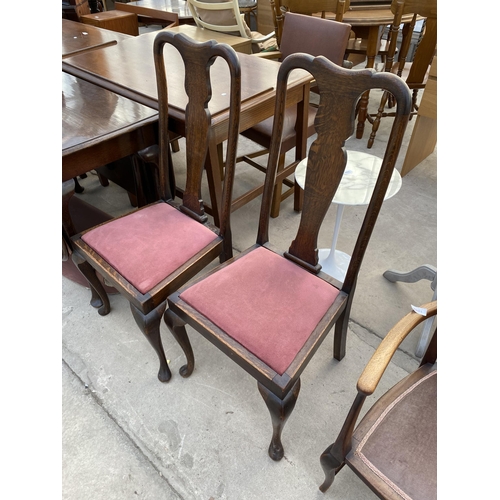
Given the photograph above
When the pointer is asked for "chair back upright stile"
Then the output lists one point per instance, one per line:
(149, 253)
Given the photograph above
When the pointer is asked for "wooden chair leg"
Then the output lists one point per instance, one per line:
(149, 325)
(78, 187)
(331, 466)
(178, 329)
(333, 458)
(103, 181)
(280, 410)
(99, 298)
(340, 335)
(298, 197)
(275, 207)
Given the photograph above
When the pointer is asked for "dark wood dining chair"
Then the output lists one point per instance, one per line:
(267, 309)
(148, 254)
(415, 73)
(356, 46)
(329, 40)
(393, 449)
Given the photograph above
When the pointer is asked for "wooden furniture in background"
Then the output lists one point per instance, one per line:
(269, 309)
(78, 38)
(243, 45)
(330, 40)
(394, 447)
(114, 20)
(223, 17)
(164, 12)
(424, 135)
(249, 9)
(120, 68)
(79, 10)
(265, 17)
(100, 127)
(414, 73)
(148, 254)
(368, 24)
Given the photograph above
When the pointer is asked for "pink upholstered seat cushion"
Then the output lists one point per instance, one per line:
(148, 245)
(266, 303)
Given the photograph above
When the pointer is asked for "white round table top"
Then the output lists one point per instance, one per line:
(358, 181)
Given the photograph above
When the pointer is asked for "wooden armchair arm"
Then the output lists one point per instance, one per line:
(261, 38)
(369, 379)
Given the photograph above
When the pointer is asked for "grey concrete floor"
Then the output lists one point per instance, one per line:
(126, 435)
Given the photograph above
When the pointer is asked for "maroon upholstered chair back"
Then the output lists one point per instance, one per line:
(314, 36)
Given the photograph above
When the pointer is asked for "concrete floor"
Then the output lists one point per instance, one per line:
(126, 435)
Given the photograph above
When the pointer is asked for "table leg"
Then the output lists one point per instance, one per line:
(334, 262)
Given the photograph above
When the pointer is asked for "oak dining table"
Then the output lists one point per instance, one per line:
(78, 38)
(127, 69)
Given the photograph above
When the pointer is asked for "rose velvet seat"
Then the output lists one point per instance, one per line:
(267, 309)
(148, 254)
(394, 447)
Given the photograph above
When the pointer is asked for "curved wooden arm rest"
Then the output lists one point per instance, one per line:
(369, 379)
(263, 38)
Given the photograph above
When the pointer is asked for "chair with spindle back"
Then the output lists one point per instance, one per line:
(415, 73)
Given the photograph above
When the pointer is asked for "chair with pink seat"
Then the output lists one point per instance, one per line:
(267, 309)
(148, 254)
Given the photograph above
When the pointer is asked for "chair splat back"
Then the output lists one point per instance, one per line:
(197, 59)
(340, 90)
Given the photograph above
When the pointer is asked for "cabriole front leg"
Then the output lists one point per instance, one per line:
(150, 327)
(99, 298)
(280, 410)
(178, 329)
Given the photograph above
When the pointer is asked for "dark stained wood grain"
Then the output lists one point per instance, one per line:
(78, 38)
